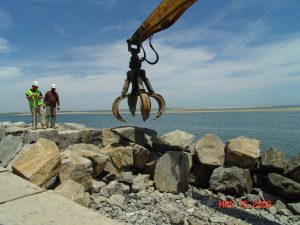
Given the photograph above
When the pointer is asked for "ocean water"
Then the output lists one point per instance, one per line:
(273, 129)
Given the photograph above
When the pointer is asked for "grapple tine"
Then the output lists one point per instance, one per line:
(145, 105)
(132, 101)
(161, 104)
(115, 108)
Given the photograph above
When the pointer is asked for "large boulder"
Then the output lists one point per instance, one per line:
(71, 190)
(242, 152)
(282, 186)
(111, 138)
(141, 136)
(92, 136)
(272, 161)
(77, 168)
(9, 147)
(210, 151)
(293, 168)
(39, 163)
(141, 155)
(68, 137)
(31, 136)
(92, 153)
(231, 180)
(98, 160)
(120, 158)
(171, 172)
(15, 130)
(178, 140)
(199, 175)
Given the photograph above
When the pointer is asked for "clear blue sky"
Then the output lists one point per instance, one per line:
(219, 53)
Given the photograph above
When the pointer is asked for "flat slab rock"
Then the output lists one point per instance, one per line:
(3, 169)
(14, 187)
(48, 208)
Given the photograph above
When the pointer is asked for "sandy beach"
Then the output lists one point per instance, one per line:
(185, 110)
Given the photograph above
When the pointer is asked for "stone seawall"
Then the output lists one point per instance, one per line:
(132, 175)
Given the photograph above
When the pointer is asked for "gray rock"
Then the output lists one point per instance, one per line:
(31, 136)
(9, 147)
(252, 198)
(71, 190)
(114, 187)
(141, 136)
(83, 146)
(293, 168)
(284, 212)
(242, 152)
(99, 199)
(210, 151)
(92, 136)
(87, 199)
(177, 218)
(140, 182)
(272, 161)
(73, 126)
(2, 132)
(15, 131)
(121, 157)
(232, 180)
(77, 168)
(272, 210)
(294, 207)
(279, 205)
(193, 221)
(178, 139)
(270, 217)
(200, 175)
(116, 199)
(282, 186)
(125, 177)
(141, 156)
(97, 185)
(171, 172)
(111, 138)
(68, 137)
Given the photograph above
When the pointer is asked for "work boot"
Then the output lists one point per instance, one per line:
(33, 128)
(44, 127)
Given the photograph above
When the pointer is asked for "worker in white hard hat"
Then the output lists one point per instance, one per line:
(34, 97)
(51, 103)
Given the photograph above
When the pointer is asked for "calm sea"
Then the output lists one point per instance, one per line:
(273, 129)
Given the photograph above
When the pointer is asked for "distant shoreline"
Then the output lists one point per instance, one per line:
(185, 110)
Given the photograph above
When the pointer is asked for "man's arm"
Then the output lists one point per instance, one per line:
(57, 101)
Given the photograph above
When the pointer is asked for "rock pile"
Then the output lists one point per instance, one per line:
(132, 175)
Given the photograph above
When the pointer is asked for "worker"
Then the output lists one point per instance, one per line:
(51, 102)
(34, 96)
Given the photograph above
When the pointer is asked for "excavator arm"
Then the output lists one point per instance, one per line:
(164, 15)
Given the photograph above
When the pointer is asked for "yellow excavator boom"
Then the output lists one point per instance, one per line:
(165, 14)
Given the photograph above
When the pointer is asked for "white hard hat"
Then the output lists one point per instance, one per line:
(35, 83)
(53, 86)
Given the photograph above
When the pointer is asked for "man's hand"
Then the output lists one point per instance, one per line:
(58, 107)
